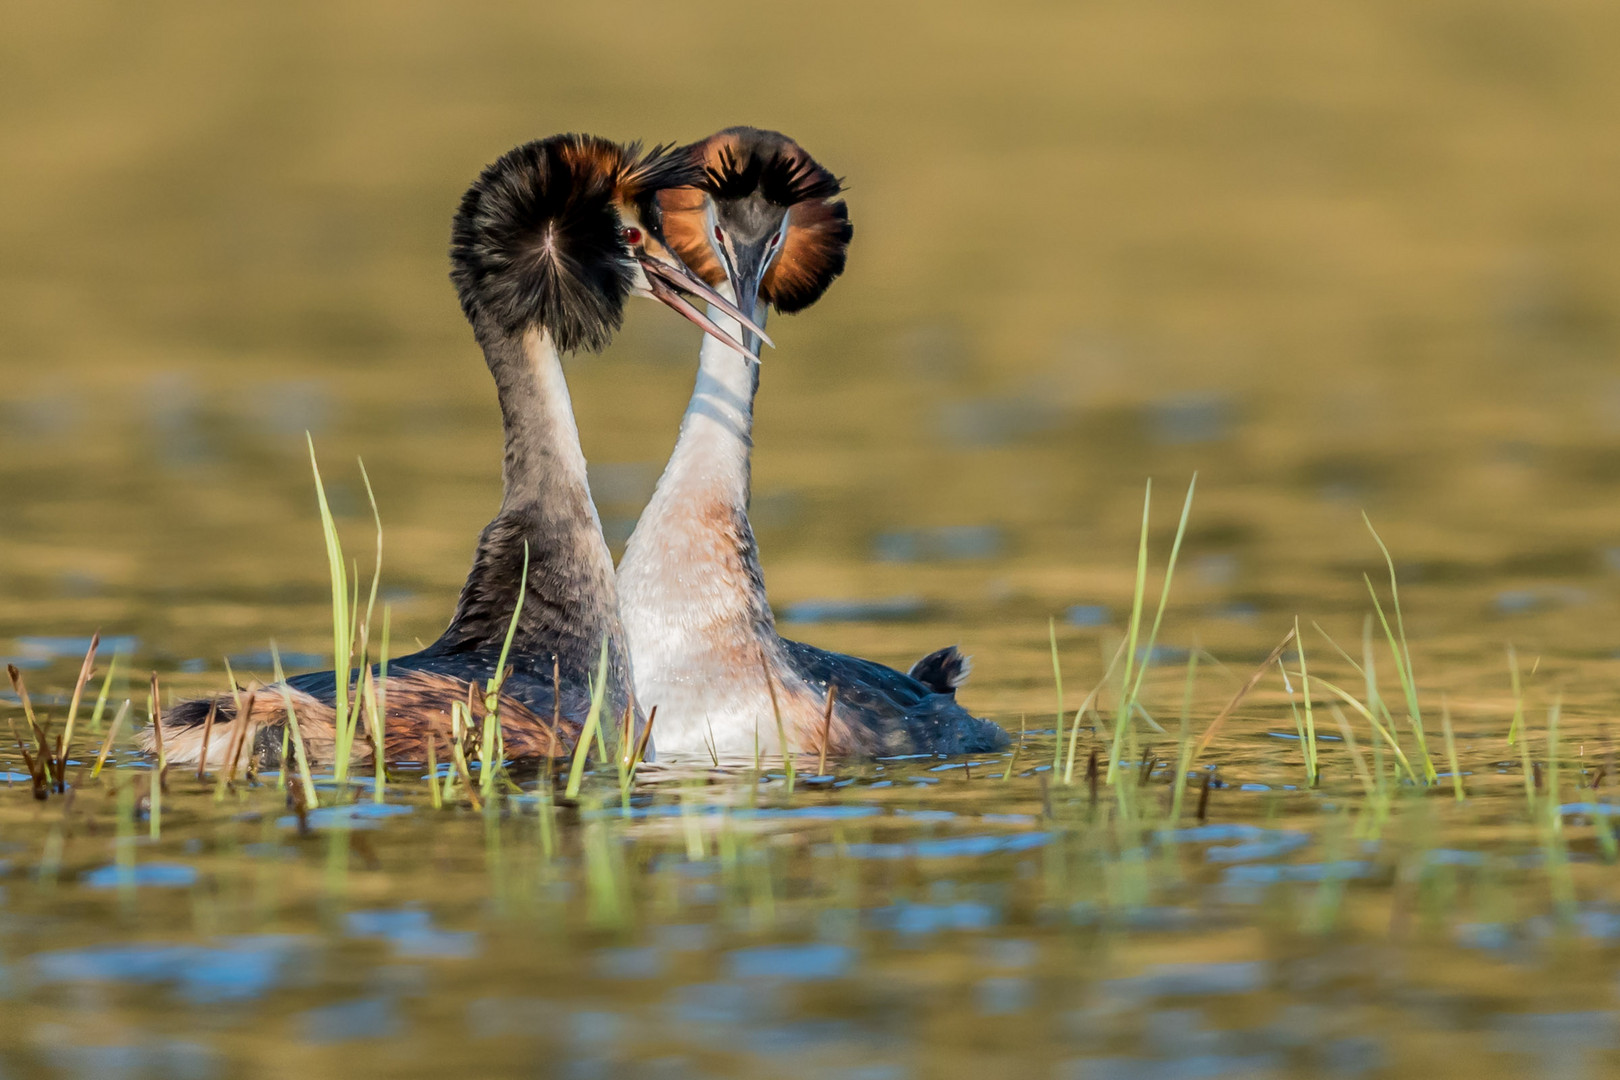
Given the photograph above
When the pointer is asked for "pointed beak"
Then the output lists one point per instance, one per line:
(746, 275)
(668, 282)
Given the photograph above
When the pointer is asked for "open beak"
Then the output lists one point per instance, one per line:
(668, 282)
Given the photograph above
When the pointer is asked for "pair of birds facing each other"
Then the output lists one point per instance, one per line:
(546, 247)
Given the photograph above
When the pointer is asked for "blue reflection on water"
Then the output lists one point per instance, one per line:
(346, 1021)
(1188, 419)
(412, 934)
(723, 1003)
(630, 963)
(946, 543)
(1002, 995)
(1087, 615)
(792, 963)
(915, 920)
(159, 874)
(364, 815)
(232, 969)
(173, 1059)
(959, 847)
(1269, 846)
(1186, 980)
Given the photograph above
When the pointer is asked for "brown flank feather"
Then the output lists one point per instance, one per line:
(418, 709)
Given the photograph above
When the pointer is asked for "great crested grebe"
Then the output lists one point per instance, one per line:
(545, 248)
(767, 225)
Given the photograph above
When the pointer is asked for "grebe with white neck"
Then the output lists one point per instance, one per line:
(768, 226)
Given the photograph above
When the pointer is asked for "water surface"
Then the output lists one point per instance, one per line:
(1355, 258)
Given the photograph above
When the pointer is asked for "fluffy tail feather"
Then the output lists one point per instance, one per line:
(185, 726)
(944, 670)
(418, 710)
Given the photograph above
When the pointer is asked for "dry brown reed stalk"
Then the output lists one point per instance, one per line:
(157, 729)
(641, 743)
(458, 750)
(377, 714)
(208, 732)
(826, 728)
(1237, 699)
(627, 740)
(776, 711)
(28, 759)
(239, 734)
(112, 733)
(556, 695)
(39, 767)
(556, 717)
(66, 743)
(21, 746)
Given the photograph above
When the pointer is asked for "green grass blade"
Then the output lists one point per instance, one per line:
(593, 720)
(293, 732)
(101, 697)
(492, 690)
(376, 517)
(1337, 647)
(1164, 591)
(1362, 772)
(1518, 697)
(1553, 753)
(1012, 762)
(1299, 721)
(1122, 716)
(380, 714)
(1313, 769)
(1378, 728)
(1184, 749)
(1451, 750)
(1401, 650)
(1057, 680)
(342, 640)
(1408, 687)
(1088, 703)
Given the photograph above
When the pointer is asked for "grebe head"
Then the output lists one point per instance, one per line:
(765, 218)
(558, 232)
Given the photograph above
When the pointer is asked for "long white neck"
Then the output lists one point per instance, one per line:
(712, 454)
(690, 585)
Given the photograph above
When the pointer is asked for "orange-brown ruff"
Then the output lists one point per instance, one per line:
(779, 169)
(543, 260)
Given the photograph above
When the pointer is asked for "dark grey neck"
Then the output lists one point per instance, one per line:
(571, 604)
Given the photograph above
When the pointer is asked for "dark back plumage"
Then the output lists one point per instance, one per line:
(536, 240)
(742, 163)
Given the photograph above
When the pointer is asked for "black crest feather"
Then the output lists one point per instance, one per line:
(771, 164)
(536, 239)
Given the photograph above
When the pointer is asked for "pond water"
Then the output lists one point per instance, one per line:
(1355, 258)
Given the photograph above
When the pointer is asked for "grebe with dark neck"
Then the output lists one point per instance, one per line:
(546, 247)
(768, 226)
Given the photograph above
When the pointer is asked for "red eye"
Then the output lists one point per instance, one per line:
(632, 235)
(717, 237)
(775, 238)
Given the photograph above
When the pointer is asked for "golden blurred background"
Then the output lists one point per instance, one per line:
(1335, 257)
